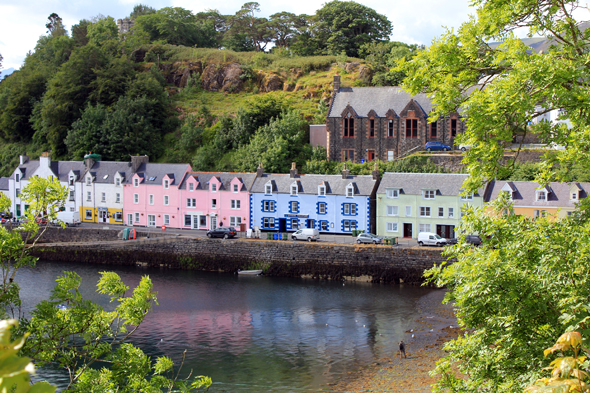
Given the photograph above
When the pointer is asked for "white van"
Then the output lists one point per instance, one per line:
(70, 218)
(308, 234)
(431, 239)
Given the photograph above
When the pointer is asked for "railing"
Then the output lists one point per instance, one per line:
(408, 152)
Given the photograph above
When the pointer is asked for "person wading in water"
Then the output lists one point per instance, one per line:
(402, 349)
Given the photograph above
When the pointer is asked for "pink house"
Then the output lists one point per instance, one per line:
(151, 195)
(209, 200)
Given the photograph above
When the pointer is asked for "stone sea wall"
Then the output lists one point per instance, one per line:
(278, 258)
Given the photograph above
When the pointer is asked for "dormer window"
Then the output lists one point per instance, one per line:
(392, 193)
(541, 195)
(429, 194)
(294, 189)
(236, 188)
(468, 197)
(89, 181)
(17, 177)
(350, 191)
(213, 187)
(117, 181)
(268, 189)
(166, 183)
(191, 187)
(136, 182)
(574, 196)
(322, 190)
(72, 180)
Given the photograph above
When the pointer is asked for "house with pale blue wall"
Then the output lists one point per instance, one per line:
(330, 203)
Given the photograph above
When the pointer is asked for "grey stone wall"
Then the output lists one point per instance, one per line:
(65, 235)
(277, 258)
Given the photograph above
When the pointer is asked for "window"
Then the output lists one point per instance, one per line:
(411, 128)
(429, 194)
(136, 217)
(268, 206)
(423, 228)
(151, 220)
(541, 195)
(540, 213)
(166, 219)
(268, 189)
(88, 214)
(293, 189)
(349, 225)
(349, 191)
(88, 196)
(88, 181)
(235, 204)
(574, 196)
(213, 187)
(268, 222)
(294, 207)
(72, 195)
(151, 199)
(424, 211)
(187, 220)
(135, 198)
(433, 129)
(235, 221)
(71, 180)
(117, 198)
(348, 155)
(392, 193)
(349, 127)
(166, 200)
(453, 127)
(390, 129)
(236, 188)
(17, 192)
(191, 202)
(324, 225)
(371, 128)
(468, 197)
(408, 211)
(392, 210)
(322, 190)
(213, 203)
(202, 221)
(17, 177)
(321, 208)
(392, 227)
(389, 155)
(294, 223)
(569, 214)
(166, 183)
(191, 187)
(349, 209)
(136, 182)
(103, 197)
(118, 181)
(441, 211)
(451, 212)
(118, 216)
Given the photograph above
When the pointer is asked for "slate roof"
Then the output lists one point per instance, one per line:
(379, 99)
(308, 184)
(525, 193)
(4, 183)
(447, 184)
(158, 171)
(63, 168)
(102, 168)
(224, 177)
(28, 168)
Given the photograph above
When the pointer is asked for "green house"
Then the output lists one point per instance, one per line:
(410, 203)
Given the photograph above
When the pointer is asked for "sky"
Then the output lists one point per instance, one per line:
(22, 22)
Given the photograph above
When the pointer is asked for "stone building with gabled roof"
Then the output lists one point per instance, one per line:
(382, 123)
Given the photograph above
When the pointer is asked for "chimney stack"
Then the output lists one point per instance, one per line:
(345, 172)
(293, 170)
(44, 160)
(88, 162)
(24, 159)
(376, 174)
(259, 170)
(336, 83)
(136, 162)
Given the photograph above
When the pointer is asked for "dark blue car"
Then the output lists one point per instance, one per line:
(436, 146)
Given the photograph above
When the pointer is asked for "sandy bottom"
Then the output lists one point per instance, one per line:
(435, 326)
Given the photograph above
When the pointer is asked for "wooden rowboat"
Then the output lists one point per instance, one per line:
(250, 272)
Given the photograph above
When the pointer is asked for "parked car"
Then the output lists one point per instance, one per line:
(471, 239)
(309, 234)
(368, 238)
(431, 239)
(464, 148)
(436, 146)
(224, 232)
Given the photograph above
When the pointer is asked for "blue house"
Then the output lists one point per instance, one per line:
(330, 203)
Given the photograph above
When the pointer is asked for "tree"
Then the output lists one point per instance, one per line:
(1, 58)
(104, 33)
(54, 25)
(80, 32)
(347, 25)
(245, 24)
(284, 27)
(528, 282)
(141, 9)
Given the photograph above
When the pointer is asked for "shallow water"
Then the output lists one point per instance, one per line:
(252, 334)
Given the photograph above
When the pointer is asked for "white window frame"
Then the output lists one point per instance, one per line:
(136, 217)
(136, 182)
(166, 200)
(322, 208)
(294, 203)
(408, 211)
(89, 180)
(136, 198)
(214, 203)
(191, 187)
(392, 193)
(117, 182)
(425, 212)
(542, 193)
(441, 212)
(88, 196)
(88, 214)
(349, 191)
(213, 187)
(468, 197)
(392, 227)
(451, 212)
(103, 196)
(424, 227)
(191, 202)
(574, 196)
(166, 219)
(117, 198)
(294, 189)
(235, 188)
(235, 204)
(321, 190)
(392, 210)
(235, 221)
(151, 220)
(166, 183)
(429, 194)
(151, 199)
(268, 189)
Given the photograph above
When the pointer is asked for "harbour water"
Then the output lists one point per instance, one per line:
(253, 334)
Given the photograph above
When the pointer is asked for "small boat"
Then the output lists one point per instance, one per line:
(250, 272)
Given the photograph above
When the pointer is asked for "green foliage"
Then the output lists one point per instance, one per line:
(15, 371)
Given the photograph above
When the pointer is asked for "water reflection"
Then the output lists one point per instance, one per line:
(254, 333)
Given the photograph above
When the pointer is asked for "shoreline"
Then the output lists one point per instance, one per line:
(436, 325)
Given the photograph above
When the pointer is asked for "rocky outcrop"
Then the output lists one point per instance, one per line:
(269, 82)
(365, 73)
(179, 72)
(226, 78)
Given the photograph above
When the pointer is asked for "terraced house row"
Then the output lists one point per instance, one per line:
(140, 193)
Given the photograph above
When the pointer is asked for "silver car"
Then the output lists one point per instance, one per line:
(368, 238)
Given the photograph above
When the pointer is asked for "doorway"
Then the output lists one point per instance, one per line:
(213, 222)
(103, 216)
(446, 231)
(408, 230)
(310, 223)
